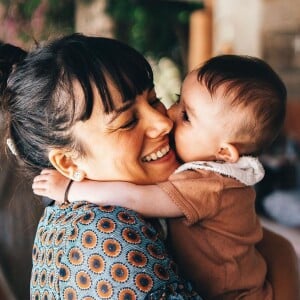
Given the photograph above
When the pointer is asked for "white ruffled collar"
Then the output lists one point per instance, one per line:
(248, 170)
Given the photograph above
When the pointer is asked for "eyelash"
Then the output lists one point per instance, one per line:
(185, 116)
(131, 123)
(134, 120)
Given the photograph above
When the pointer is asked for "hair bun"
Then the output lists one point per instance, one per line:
(9, 56)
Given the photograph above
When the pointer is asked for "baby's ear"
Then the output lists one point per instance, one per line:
(228, 153)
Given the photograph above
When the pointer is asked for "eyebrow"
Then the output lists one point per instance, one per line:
(188, 108)
(191, 110)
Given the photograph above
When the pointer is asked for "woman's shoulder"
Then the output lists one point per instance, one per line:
(85, 223)
(103, 252)
(108, 228)
(83, 213)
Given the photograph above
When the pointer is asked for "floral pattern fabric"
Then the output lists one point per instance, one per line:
(83, 251)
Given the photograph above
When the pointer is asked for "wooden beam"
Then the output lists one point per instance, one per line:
(200, 36)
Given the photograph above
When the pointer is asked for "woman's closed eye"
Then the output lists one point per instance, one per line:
(131, 123)
(133, 120)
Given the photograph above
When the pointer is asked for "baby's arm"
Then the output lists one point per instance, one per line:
(148, 200)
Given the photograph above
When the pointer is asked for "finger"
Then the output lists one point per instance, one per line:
(47, 171)
(37, 178)
(44, 177)
(39, 185)
(39, 192)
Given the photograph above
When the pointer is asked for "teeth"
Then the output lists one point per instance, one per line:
(153, 156)
(156, 155)
(159, 154)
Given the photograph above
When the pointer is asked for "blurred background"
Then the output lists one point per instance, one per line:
(175, 36)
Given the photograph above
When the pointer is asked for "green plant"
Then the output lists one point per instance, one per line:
(61, 15)
(156, 28)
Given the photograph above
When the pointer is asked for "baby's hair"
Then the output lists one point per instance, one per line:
(249, 82)
(38, 97)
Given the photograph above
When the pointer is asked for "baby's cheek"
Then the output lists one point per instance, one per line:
(180, 136)
(180, 145)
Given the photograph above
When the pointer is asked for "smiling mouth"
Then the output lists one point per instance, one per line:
(157, 155)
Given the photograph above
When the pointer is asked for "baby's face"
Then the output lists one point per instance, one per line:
(200, 122)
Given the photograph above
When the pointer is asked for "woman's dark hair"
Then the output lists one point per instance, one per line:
(9, 56)
(249, 81)
(38, 97)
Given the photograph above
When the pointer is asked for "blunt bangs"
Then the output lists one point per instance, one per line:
(99, 60)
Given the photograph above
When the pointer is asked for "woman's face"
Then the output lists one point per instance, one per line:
(131, 144)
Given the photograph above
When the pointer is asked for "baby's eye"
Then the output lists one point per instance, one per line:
(130, 124)
(185, 116)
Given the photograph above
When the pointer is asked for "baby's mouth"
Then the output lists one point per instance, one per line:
(157, 154)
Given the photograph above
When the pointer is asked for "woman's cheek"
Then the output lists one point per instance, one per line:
(132, 140)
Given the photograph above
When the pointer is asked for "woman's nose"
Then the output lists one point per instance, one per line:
(158, 124)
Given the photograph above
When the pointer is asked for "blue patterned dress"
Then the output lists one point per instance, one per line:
(83, 251)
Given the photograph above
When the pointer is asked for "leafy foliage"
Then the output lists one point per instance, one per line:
(157, 28)
(61, 14)
(27, 8)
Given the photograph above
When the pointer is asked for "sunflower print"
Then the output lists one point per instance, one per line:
(83, 251)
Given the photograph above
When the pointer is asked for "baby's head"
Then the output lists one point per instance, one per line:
(231, 106)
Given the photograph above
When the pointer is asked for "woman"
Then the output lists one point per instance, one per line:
(87, 107)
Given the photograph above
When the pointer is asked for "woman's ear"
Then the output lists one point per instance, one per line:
(228, 153)
(62, 161)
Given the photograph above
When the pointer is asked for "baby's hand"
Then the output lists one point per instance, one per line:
(51, 184)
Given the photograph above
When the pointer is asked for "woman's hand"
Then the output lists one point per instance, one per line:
(51, 184)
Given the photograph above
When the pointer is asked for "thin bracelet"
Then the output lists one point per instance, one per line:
(66, 201)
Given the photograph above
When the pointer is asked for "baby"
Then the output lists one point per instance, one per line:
(229, 111)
